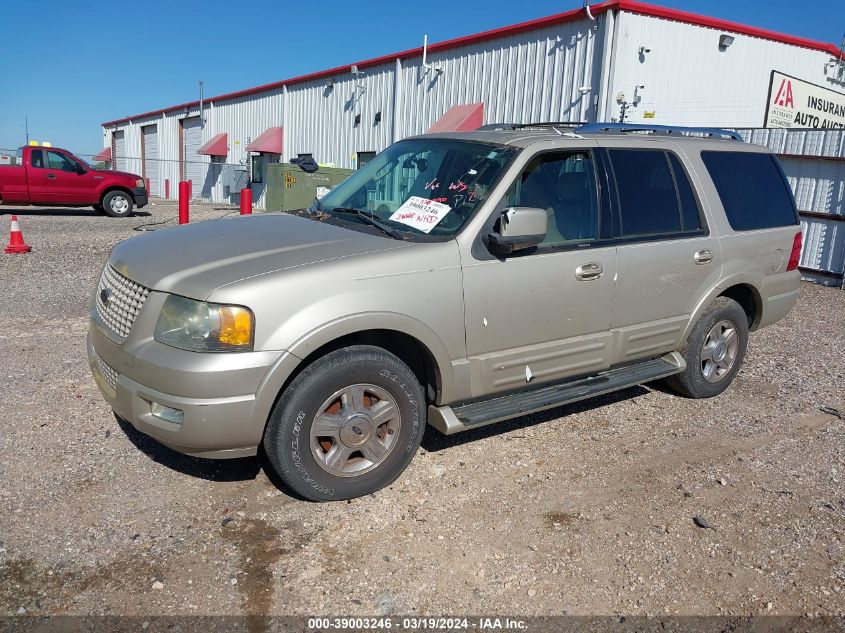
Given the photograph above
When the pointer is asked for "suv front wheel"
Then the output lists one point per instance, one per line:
(346, 426)
(714, 350)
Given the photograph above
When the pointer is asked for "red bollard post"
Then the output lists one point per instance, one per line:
(246, 201)
(184, 201)
(167, 188)
(147, 182)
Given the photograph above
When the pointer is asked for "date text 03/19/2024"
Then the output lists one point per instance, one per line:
(417, 624)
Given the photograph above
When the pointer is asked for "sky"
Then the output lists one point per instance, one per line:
(69, 66)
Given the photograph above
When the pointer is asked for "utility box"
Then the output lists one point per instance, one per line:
(289, 188)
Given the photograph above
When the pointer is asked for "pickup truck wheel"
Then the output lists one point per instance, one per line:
(346, 426)
(99, 209)
(714, 351)
(118, 204)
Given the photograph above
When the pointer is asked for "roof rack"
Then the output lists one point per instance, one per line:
(545, 125)
(591, 128)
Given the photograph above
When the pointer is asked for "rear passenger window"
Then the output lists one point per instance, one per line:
(36, 159)
(753, 191)
(655, 196)
(690, 215)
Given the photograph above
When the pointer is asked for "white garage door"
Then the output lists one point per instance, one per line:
(151, 163)
(195, 165)
(119, 151)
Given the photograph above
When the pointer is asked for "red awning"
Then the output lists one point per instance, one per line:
(217, 146)
(270, 142)
(104, 155)
(460, 118)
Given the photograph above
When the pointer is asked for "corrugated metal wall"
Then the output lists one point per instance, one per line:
(689, 81)
(814, 163)
(520, 79)
(243, 119)
(548, 74)
(321, 118)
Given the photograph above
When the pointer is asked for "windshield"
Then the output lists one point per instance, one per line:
(422, 186)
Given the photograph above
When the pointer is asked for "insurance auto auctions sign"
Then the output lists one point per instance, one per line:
(799, 104)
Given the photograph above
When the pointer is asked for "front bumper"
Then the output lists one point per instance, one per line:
(216, 392)
(141, 197)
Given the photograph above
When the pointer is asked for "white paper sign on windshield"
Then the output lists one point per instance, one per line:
(421, 213)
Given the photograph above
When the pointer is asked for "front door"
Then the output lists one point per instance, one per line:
(544, 315)
(668, 259)
(64, 184)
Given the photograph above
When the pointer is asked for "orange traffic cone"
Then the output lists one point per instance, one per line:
(16, 243)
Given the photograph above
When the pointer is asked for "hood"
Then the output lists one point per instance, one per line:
(112, 172)
(194, 259)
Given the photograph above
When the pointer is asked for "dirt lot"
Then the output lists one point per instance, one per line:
(582, 510)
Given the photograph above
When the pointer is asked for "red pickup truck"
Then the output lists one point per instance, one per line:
(54, 177)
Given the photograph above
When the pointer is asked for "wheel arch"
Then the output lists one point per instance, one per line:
(740, 288)
(749, 299)
(111, 188)
(412, 342)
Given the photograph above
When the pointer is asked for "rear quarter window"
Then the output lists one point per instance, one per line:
(753, 191)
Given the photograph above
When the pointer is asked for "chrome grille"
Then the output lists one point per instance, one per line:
(107, 372)
(125, 300)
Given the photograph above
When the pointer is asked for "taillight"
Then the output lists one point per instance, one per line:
(795, 255)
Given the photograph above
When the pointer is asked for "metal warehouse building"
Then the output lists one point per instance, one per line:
(620, 60)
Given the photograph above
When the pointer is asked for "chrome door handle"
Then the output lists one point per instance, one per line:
(704, 256)
(589, 271)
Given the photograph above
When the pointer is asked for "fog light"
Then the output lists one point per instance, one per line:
(174, 416)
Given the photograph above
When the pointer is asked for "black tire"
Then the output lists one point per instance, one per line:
(99, 209)
(118, 204)
(692, 381)
(288, 442)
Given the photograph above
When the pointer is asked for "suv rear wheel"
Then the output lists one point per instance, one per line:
(346, 426)
(714, 350)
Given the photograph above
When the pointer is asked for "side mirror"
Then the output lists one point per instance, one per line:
(518, 228)
(80, 169)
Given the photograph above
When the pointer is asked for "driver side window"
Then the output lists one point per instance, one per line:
(564, 185)
(60, 162)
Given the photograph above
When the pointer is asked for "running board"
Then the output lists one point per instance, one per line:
(449, 420)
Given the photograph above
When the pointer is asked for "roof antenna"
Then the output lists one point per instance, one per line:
(589, 12)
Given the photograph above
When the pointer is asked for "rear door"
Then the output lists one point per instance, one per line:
(544, 315)
(64, 184)
(35, 174)
(668, 256)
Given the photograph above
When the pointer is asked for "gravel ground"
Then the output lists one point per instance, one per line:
(586, 509)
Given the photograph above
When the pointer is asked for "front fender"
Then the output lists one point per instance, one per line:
(292, 358)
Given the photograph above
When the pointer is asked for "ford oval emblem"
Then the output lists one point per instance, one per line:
(105, 296)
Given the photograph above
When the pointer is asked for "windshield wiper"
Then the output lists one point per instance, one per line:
(370, 219)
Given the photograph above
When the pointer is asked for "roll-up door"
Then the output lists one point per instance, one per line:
(194, 165)
(151, 163)
(119, 143)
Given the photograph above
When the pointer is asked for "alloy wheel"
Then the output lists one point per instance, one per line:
(718, 354)
(355, 429)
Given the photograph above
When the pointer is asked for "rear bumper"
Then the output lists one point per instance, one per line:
(141, 198)
(779, 294)
(217, 394)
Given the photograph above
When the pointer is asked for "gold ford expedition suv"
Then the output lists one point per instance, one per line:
(456, 280)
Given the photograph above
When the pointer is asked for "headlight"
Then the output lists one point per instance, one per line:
(140, 183)
(198, 326)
